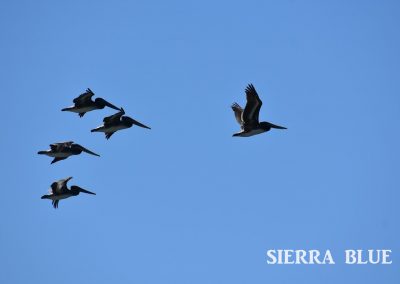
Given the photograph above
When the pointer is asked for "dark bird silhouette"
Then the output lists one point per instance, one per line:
(248, 118)
(115, 122)
(84, 103)
(59, 190)
(61, 151)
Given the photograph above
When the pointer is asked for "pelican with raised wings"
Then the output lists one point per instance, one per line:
(59, 190)
(116, 122)
(62, 150)
(248, 118)
(84, 103)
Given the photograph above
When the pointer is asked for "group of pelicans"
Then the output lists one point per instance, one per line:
(247, 119)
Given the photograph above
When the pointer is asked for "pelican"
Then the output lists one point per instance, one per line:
(84, 103)
(59, 190)
(62, 150)
(248, 118)
(117, 122)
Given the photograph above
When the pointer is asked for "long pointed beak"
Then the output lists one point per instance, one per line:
(138, 123)
(86, 191)
(276, 126)
(110, 105)
(90, 152)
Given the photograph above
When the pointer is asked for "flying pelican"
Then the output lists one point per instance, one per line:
(61, 151)
(248, 118)
(84, 103)
(59, 190)
(117, 122)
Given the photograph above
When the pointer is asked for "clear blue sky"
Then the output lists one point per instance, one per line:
(185, 202)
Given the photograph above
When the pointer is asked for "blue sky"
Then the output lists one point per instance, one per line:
(185, 202)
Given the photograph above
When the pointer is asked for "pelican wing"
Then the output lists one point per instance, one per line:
(237, 109)
(55, 190)
(253, 106)
(113, 118)
(59, 187)
(62, 184)
(66, 144)
(83, 98)
(60, 145)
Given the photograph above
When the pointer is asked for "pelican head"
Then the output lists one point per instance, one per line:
(80, 149)
(128, 121)
(75, 190)
(267, 126)
(102, 103)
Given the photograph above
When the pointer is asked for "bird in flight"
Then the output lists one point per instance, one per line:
(62, 150)
(248, 117)
(84, 103)
(59, 190)
(115, 122)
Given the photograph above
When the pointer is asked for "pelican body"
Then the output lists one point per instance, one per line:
(248, 118)
(61, 151)
(116, 122)
(84, 104)
(59, 190)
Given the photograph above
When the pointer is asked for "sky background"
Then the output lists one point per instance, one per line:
(186, 202)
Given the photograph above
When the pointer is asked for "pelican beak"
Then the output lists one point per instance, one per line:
(90, 152)
(136, 122)
(110, 105)
(86, 191)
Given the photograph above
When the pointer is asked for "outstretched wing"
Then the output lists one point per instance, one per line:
(83, 98)
(113, 118)
(253, 106)
(237, 109)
